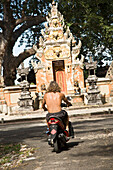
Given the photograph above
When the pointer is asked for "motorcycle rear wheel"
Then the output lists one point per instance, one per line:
(56, 146)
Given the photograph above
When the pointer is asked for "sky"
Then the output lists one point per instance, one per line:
(16, 51)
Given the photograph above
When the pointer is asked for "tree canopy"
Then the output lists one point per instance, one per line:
(89, 20)
(92, 22)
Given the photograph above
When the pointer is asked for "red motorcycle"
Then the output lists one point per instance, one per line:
(57, 134)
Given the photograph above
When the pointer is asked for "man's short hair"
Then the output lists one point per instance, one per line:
(53, 87)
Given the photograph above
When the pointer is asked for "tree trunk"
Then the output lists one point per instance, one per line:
(11, 63)
(9, 74)
(9, 69)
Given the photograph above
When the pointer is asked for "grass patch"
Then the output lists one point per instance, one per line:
(12, 155)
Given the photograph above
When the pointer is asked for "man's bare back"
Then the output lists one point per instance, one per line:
(53, 101)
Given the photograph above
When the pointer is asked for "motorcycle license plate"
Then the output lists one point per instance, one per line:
(53, 131)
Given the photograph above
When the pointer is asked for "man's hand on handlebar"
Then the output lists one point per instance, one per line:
(45, 109)
(69, 104)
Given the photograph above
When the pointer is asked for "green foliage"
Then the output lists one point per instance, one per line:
(12, 155)
(92, 22)
(8, 148)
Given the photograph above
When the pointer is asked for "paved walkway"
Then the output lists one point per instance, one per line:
(72, 111)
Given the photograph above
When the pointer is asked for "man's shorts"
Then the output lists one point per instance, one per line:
(62, 115)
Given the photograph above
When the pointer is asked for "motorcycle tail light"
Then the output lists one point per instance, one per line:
(52, 120)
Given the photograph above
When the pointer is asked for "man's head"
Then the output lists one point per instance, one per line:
(53, 87)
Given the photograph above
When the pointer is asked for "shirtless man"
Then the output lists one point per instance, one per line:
(53, 99)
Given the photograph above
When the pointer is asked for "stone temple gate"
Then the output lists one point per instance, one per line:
(57, 54)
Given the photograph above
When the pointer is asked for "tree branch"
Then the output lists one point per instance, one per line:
(2, 24)
(8, 14)
(29, 18)
(22, 56)
(29, 22)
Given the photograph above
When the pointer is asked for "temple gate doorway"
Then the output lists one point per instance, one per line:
(59, 74)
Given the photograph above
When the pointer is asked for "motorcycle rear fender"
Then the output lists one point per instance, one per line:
(57, 121)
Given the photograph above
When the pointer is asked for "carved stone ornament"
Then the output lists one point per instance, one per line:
(58, 55)
(57, 41)
(109, 73)
(57, 52)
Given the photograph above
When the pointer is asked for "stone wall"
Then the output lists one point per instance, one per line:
(9, 95)
(9, 98)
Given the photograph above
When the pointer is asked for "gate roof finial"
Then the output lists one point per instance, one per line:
(53, 3)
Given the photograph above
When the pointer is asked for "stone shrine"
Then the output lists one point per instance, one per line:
(109, 75)
(57, 54)
(93, 94)
(25, 100)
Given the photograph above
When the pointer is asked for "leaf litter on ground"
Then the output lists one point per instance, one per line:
(13, 154)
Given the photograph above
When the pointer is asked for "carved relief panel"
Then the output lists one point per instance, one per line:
(57, 52)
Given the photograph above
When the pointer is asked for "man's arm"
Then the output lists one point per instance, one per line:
(43, 103)
(66, 100)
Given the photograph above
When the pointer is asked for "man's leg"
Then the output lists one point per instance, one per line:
(67, 123)
(71, 130)
(47, 118)
(66, 119)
